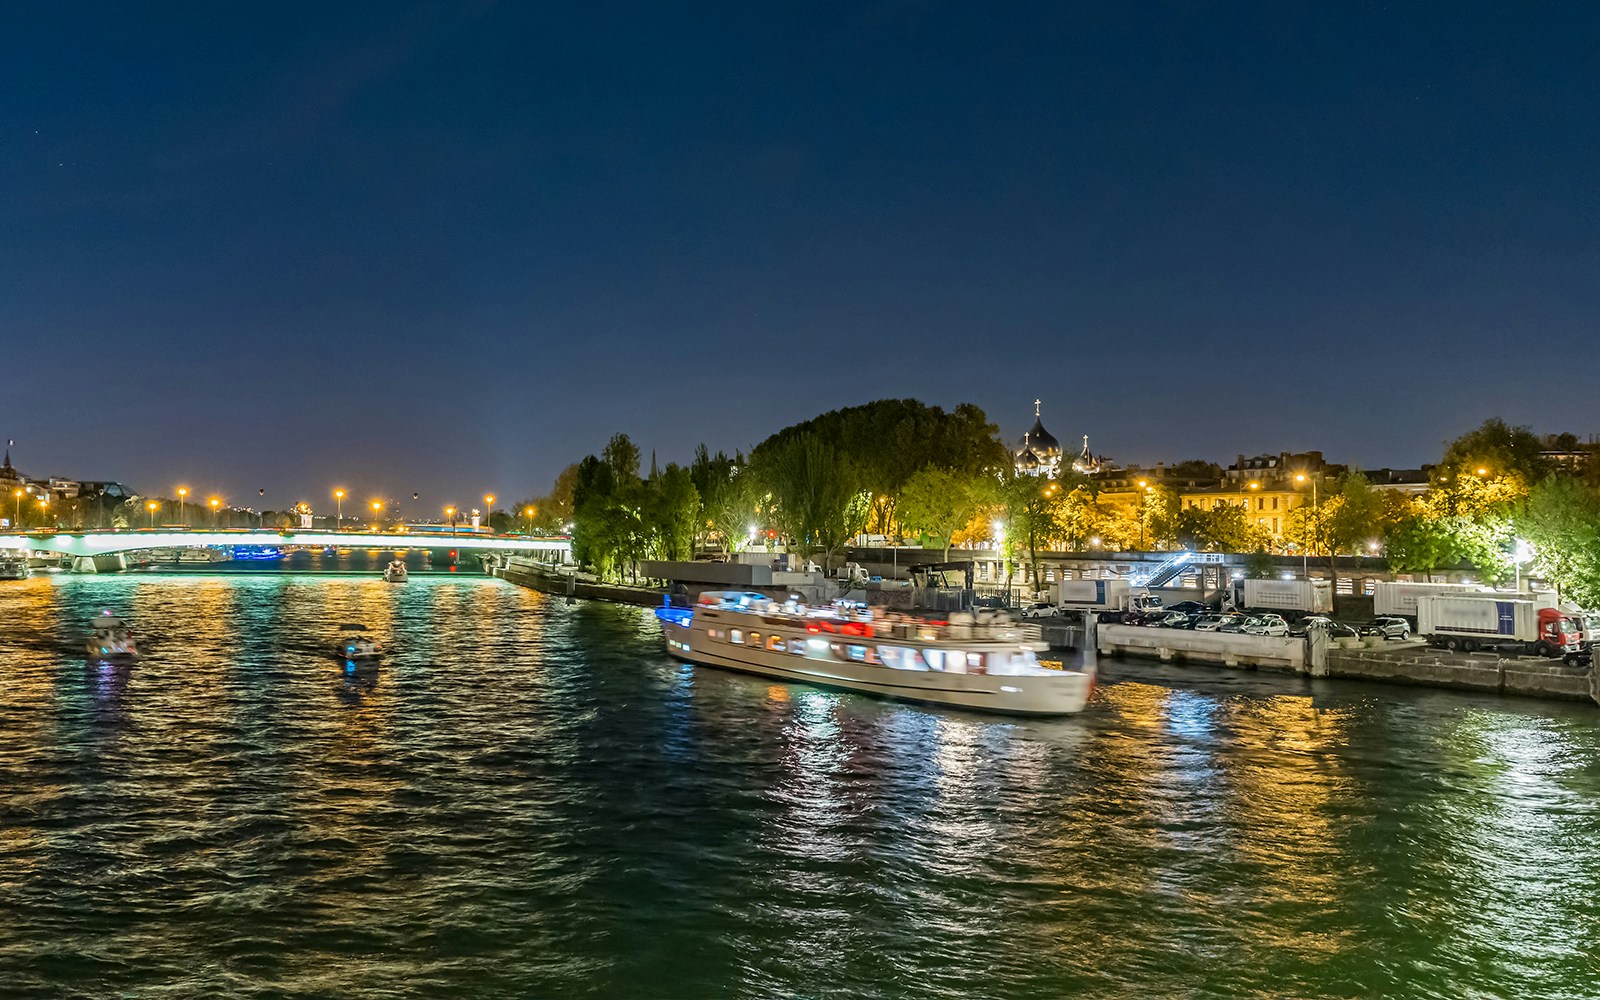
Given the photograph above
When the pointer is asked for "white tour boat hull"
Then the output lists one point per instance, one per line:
(1058, 693)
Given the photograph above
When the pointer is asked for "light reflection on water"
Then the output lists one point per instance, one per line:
(529, 798)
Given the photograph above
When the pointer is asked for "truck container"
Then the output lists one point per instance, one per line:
(1399, 597)
(1101, 595)
(1310, 596)
(1498, 622)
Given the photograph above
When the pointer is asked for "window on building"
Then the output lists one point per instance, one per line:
(1274, 503)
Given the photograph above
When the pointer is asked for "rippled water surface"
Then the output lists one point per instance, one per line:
(529, 799)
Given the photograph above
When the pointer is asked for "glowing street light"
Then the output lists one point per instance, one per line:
(377, 512)
(16, 512)
(183, 491)
(215, 505)
(1305, 555)
(450, 512)
(151, 507)
(488, 510)
(531, 511)
(1483, 472)
(338, 500)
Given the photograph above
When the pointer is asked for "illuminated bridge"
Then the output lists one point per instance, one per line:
(91, 544)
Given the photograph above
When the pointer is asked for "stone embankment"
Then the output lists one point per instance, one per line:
(535, 576)
(1412, 663)
(1534, 677)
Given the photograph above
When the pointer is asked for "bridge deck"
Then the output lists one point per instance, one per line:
(93, 543)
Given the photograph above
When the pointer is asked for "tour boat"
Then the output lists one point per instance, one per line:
(14, 566)
(109, 639)
(355, 644)
(991, 666)
(395, 572)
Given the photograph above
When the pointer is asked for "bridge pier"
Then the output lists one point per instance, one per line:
(110, 562)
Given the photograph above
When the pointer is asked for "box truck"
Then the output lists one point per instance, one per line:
(1496, 622)
(1399, 598)
(1114, 596)
(1310, 596)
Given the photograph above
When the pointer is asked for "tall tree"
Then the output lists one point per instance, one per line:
(1498, 449)
(816, 495)
(1562, 523)
(939, 502)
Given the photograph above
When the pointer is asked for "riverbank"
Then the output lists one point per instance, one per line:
(535, 576)
(1413, 664)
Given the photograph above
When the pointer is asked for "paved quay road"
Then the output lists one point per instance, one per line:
(529, 799)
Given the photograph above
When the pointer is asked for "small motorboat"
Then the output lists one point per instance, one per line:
(356, 645)
(395, 572)
(109, 639)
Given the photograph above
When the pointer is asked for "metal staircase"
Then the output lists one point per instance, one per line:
(1162, 572)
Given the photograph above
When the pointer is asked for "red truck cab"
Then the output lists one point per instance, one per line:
(1559, 632)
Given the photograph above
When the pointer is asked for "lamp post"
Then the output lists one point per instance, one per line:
(450, 512)
(338, 500)
(44, 505)
(1144, 510)
(1305, 555)
(532, 512)
(261, 508)
(1520, 554)
(183, 491)
(215, 505)
(16, 510)
(151, 507)
(377, 511)
(488, 511)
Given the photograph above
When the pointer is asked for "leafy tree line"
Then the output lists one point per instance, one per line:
(908, 470)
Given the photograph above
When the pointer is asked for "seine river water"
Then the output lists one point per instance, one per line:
(529, 799)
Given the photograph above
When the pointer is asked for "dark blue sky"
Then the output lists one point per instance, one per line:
(450, 249)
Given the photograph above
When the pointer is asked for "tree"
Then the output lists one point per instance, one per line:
(1225, 528)
(1498, 449)
(1562, 524)
(939, 502)
(1349, 520)
(817, 500)
(1031, 509)
(888, 441)
(728, 497)
(671, 508)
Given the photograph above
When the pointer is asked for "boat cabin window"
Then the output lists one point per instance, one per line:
(734, 635)
(797, 646)
(775, 643)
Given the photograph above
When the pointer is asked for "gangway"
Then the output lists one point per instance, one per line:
(1164, 571)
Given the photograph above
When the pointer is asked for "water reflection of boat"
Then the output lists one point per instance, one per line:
(987, 665)
(257, 552)
(110, 639)
(395, 572)
(203, 555)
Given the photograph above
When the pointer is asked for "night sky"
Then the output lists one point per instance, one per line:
(451, 248)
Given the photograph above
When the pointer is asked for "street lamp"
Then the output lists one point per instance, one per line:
(44, 505)
(377, 513)
(215, 505)
(1305, 555)
(261, 508)
(1520, 554)
(488, 510)
(338, 500)
(183, 491)
(532, 512)
(450, 512)
(16, 511)
(151, 507)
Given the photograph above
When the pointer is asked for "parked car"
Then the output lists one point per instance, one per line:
(1335, 630)
(1215, 621)
(1040, 610)
(1273, 625)
(1389, 628)
(1166, 619)
(1189, 607)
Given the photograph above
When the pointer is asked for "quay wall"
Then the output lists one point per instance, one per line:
(523, 574)
(1427, 667)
